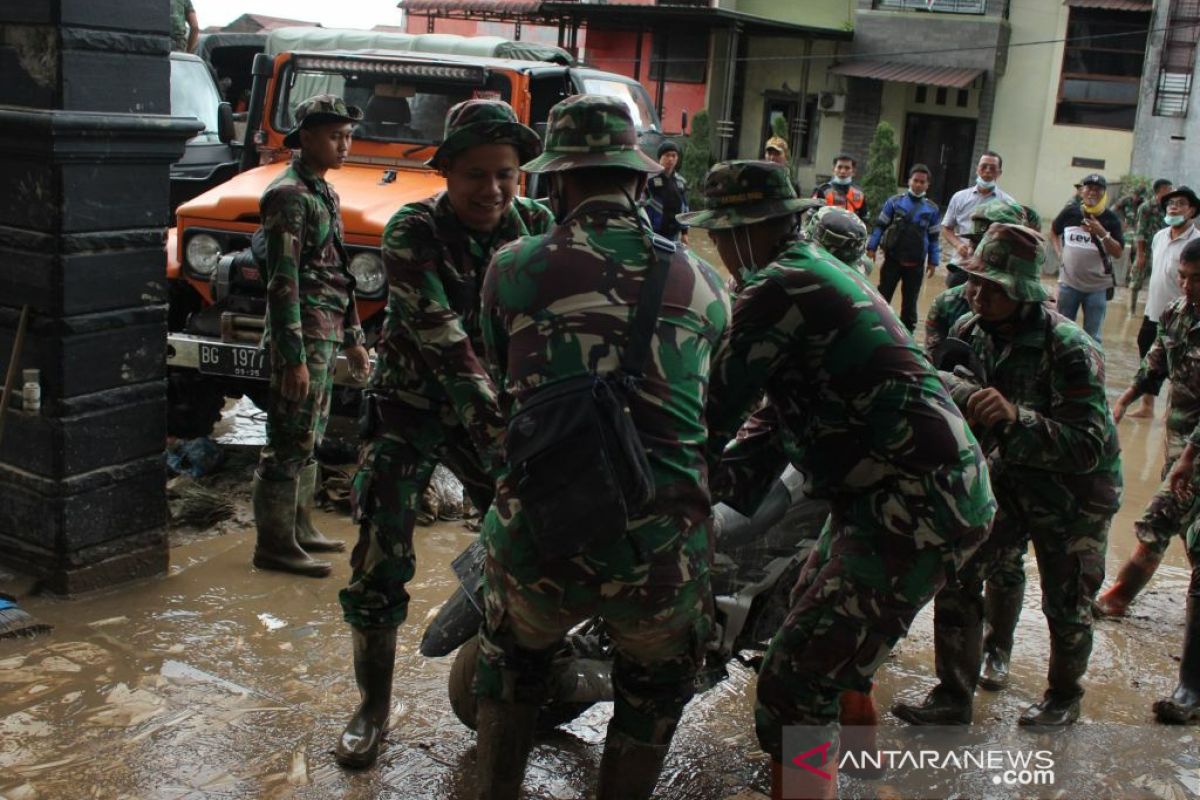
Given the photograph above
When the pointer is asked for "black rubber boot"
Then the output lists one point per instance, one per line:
(1069, 654)
(505, 737)
(957, 652)
(374, 662)
(1001, 610)
(307, 536)
(1183, 706)
(275, 521)
(629, 769)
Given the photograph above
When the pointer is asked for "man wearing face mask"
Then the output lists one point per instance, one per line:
(560, 307)
(956, 223)
(1087, 237)
(1041, 413)
(908, 228)
(430, 398)
(841, 191)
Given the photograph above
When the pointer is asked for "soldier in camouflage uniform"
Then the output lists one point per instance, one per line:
(843, 234)
(310, 315)
(1041, 413)
(1175, 354)
(1147, 221)
(430, 398)
(559, 307)
(185, 27)
(1174, 508)
(860, 412)
(1006, 587)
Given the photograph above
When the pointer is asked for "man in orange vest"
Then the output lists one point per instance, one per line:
(840, 190)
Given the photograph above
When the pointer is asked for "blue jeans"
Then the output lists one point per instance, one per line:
(1095, 304)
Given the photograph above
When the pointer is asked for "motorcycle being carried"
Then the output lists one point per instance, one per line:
(758, 559)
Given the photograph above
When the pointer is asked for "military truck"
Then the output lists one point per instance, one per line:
(217, 290)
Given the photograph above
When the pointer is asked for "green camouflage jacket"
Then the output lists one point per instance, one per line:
(561, 305)
(1061, 455)
(1149, 221)
(1176, 355)
(944, 311)
(309, 292)
(428, 356)
(179, 27)
(856, 403)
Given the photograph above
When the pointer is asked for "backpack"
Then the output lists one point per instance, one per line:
(580, 433)
(905, 240)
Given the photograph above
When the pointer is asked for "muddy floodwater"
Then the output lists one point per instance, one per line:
(222, 681)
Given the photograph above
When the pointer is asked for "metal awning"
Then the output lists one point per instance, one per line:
(1145, 6)
(494, 7)
(954, 77)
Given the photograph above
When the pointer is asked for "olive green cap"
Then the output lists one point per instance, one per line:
(1011, 256)
(475, 122)
(744, 193)
(319, 109)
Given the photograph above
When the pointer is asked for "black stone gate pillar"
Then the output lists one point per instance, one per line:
(85, 149)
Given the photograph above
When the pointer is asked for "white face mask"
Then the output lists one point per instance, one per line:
(1174, 220)
(916, 195)
(982, 184)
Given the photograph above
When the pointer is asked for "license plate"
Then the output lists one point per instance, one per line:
(238, 362)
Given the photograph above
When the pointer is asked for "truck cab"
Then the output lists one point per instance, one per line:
(217, 289)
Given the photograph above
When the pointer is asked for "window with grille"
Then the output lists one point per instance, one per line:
(944, 6)
(1102, 68)
(1174, 85)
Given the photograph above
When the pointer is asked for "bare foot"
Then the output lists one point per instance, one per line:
(1144, 411)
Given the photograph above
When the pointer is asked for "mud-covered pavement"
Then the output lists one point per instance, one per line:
(223, 681)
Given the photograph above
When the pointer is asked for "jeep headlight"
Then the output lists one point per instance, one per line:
(367, 269)
(202, 253)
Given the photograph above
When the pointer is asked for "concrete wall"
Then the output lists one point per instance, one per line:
(1166, 147)
(835, 14)
(768, 70)
(1037, 153)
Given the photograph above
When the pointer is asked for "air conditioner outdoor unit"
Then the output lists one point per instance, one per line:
(832, 102)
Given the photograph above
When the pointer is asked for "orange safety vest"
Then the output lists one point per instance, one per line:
(853, 200)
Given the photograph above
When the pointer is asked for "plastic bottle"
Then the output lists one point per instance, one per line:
(31, 392)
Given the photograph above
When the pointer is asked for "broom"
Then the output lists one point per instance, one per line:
(13, 621)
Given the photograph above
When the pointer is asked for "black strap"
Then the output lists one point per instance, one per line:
(645, 319)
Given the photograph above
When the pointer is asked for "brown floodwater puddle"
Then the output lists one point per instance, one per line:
(221, 681)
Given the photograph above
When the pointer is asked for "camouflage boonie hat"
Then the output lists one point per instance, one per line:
(1011, 256)
(475, 122)
(744, 193)
(319, 109)
(591, 130)
(1008, 212)
(840, 232)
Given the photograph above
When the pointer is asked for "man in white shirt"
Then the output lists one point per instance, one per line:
(956, 223)
(1180, 206)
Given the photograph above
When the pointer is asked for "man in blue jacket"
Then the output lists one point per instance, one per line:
(909, 227)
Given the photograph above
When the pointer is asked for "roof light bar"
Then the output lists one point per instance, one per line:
(434, 71)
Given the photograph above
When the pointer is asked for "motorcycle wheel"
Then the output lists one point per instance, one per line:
(462, 693)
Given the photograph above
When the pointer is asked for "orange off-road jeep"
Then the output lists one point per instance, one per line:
(217, 289)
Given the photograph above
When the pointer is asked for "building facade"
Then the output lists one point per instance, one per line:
(1167, 143)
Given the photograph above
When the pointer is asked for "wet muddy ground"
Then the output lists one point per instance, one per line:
(221, 681)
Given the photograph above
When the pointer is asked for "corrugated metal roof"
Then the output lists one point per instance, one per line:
(954, 77)
(471, 6)
(1114, 5)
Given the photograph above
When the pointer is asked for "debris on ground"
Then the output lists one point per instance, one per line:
(192, 504)
(443, 499)
(194, 457)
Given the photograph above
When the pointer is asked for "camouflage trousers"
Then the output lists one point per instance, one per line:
(659, 615)
(392, 476)
(295, 429)
(1166, 516)
(1070, 557)
(874, 567)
